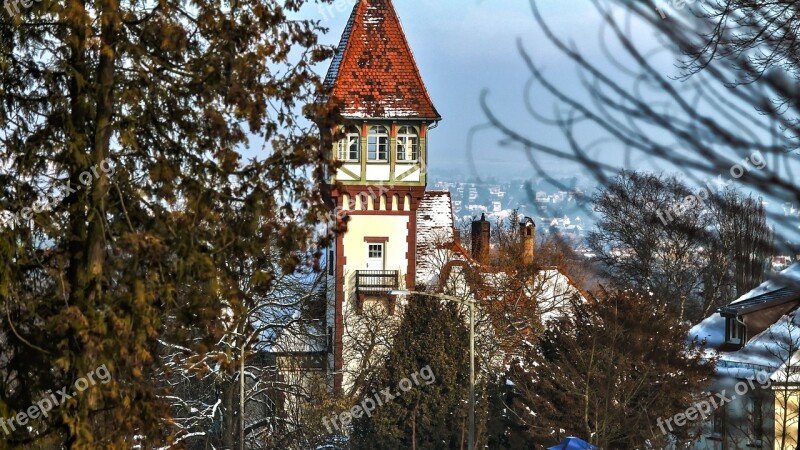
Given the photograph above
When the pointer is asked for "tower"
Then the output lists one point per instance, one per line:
(383, 150)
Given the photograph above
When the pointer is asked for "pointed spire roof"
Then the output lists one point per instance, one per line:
(374, 73)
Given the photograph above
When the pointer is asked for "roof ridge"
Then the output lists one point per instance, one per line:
(344, 42)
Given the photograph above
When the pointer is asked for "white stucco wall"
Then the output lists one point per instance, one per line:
(395, 228)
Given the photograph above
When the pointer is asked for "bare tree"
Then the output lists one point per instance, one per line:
(249, 389)
(608, 372)
(700, 253)
(703, 123)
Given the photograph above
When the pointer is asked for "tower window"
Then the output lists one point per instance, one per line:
(407, 144)
(350, 145)
(378, 144)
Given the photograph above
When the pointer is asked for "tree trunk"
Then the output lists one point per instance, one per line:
(228, 419)
(462, 436)
(414, 430)
(241, 395)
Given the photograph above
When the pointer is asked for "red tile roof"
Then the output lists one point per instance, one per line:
(374, 73)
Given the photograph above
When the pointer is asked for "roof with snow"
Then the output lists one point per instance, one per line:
(765, 300)
(434, 233)
(374, 74)
(771, 352)
(441, 259)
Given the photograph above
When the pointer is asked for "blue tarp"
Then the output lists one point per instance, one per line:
(573, 443)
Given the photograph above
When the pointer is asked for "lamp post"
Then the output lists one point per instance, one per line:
(471, 303)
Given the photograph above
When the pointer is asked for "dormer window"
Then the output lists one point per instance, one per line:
(407, 144)
(734, 331)
(350, 145)
(378, 144)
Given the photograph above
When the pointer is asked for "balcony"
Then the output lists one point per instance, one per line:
(376, 283)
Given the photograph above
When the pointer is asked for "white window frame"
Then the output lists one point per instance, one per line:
(407, 144)
(735, 332)
(351, 138)
(376, 245)
(378, 144)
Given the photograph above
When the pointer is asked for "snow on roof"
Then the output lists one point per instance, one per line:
(769, 352)
(554, 290)
(434, 230)
(551, 287)
(712, 329)
(774, 351)
(780, 281)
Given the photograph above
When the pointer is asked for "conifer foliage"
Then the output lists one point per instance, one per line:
(109, 263)
(427, 416)
(608, 373)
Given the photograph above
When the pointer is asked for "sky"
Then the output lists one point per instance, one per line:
(464, 47)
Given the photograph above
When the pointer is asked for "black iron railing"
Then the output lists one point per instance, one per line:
(376, 281)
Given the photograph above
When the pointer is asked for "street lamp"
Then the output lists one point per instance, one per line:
(471, 303)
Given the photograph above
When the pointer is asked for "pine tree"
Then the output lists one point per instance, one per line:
(427, 416)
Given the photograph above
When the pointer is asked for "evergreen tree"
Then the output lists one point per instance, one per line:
(431, 416)
(608, 373)
(123, 125)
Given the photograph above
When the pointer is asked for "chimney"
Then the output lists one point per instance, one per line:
(527, 229)
(480, 239)
(456, 235)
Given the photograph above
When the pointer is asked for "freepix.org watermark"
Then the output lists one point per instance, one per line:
(46, 404)
(370, 404)
(340, 6)
(754, 161)
(704, 408)
(85, 178)
(12, 6)
(674, 4)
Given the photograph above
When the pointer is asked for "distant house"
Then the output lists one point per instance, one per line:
(757, 338)
(781, 262)
(541, 197)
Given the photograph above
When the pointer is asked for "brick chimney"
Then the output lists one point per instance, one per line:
(480, 239)
(527, 229)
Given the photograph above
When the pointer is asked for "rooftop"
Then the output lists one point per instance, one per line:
(374, 74)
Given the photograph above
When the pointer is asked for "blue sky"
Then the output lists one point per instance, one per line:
(465, 46)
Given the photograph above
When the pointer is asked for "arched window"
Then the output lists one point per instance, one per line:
(407, 144)
(378, 144)
(350, 145)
